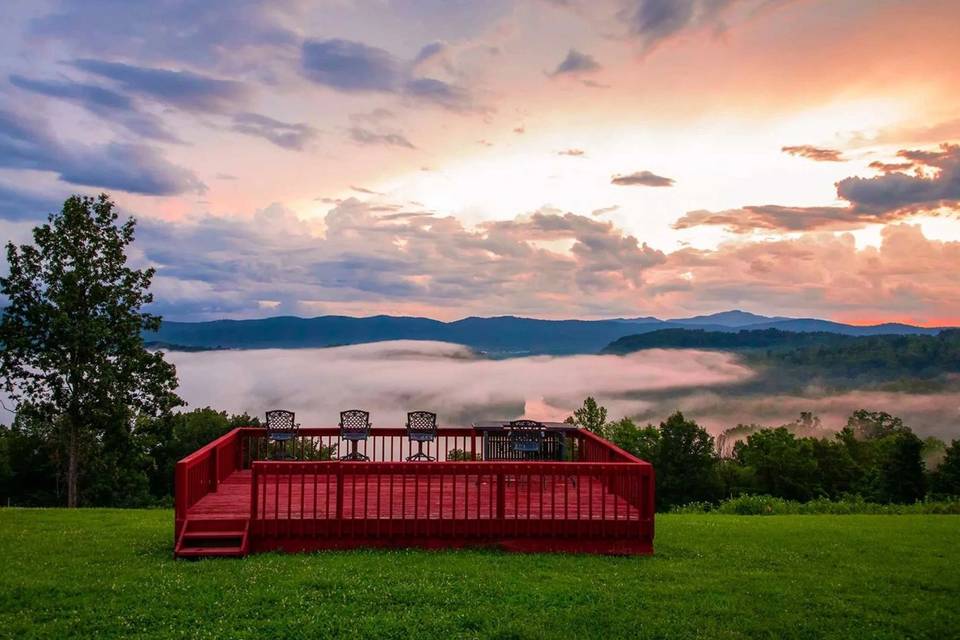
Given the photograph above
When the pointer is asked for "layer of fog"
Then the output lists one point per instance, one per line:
(390, 378)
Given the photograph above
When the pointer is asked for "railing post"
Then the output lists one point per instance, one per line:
(254, 493)
(340, 492)
(181, 497)
(501, 496)
(215, 468)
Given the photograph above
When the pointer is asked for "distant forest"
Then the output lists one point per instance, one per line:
(830, 355)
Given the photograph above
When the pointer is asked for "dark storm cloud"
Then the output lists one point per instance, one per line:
(576, 63)
(283, 134)
(26, 144)
(439, 92)
(106, 103)
(361, 135)
(351, 66)
(21, 205)
(768, 217)
(643, 179)
(355, 67)
(429, 51)
(814, 153)
(182, 89)
(365, 255)
(656, 20)
(890, 197)
(894, 191)
(195, 33)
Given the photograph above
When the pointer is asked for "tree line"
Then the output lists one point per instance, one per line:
(874, 457)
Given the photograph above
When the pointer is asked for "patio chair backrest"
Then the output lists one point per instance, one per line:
(281, 421)
(422, 423)
(526, 435)
(355, 422)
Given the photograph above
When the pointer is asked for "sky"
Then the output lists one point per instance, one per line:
(547, 158)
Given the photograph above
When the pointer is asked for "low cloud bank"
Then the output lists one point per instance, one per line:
(390, 378)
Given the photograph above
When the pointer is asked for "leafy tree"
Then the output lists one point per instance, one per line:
(642, 443)
(685, 462)
(590, 416)
(837, 470)
(946, 480)
(784, 466)
(900, 473)
(871, 425)
(172, 437)
(34, 464)
(731, 436)
(71, 333)
(934, 450)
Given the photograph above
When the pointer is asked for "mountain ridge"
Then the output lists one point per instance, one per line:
(502, 336)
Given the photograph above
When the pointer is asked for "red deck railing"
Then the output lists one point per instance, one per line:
(598, 497)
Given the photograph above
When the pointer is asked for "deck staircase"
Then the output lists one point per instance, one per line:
(214, 538)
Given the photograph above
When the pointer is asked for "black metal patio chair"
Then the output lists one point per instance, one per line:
(421, 427)
(281, 428)
(526, 438)
(354, 428)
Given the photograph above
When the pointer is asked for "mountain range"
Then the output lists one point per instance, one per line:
(501, 336)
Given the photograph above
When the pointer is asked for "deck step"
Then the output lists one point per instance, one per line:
(210, 552)
(213, 538)
(210, 535)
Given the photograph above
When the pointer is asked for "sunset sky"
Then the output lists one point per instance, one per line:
(548, 158)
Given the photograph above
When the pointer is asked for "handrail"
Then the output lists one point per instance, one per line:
(338, 493)
(589, 435)
(202, 471)
(214, 444)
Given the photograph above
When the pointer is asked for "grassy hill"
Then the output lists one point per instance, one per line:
(109, 574)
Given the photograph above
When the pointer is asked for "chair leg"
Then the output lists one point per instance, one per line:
(355, 455)
(420, 455)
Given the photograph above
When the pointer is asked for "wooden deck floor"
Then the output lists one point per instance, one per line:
(421, 497)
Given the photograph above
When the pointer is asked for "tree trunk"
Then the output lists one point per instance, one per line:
(72, 468)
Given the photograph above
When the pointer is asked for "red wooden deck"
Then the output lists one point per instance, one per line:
(230, 503)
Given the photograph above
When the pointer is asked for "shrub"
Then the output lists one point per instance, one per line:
(750, 505)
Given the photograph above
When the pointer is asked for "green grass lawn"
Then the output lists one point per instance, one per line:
(109, 573)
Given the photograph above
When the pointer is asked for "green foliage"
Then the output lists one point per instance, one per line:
(590, 416)
(682, 453)
(899, 474)
(315, 451)
(782, 464)
(745, 339)
(906, 361)
(132, 471)
(872, 425)
(641, 442)
(73, 356)
(169, 438)
(876, 458)
(109, 574)
(767, 505)
(946, 480)
(459, 455)
(685, 462)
